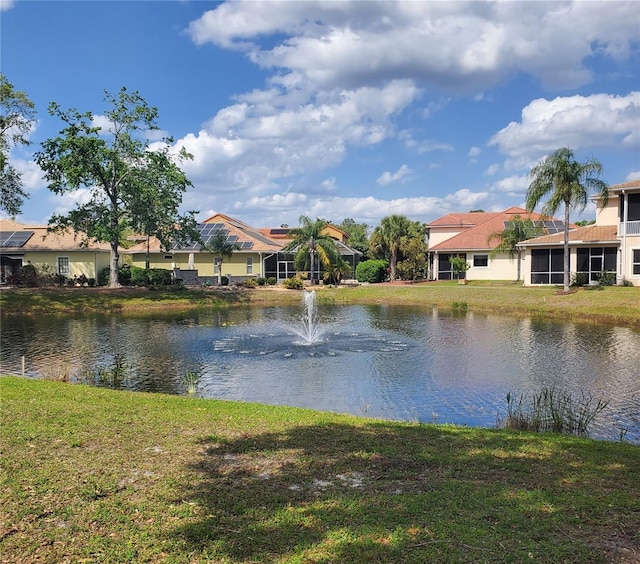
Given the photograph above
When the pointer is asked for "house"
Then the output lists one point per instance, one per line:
(284, 267)
(195, 265)
(61, 252)
(467, 235)
(611, 245)
(259, 253)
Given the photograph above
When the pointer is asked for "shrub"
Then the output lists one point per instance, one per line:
(249, 283)
(371, 270)
(224, 281)
(159, 277)
(607, 278)
(579, 279)
(294, 283)
(139, 276)
(261, 281)
(271, 281)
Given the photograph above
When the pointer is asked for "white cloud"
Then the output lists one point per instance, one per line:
(6, 5)
(511, 185)
(388, 177)
(248, 147)
(578, 122)
(65, 203)
(455, 45)
(465, 198)
(635, 175)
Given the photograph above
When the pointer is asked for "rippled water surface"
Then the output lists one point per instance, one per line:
(402, 363)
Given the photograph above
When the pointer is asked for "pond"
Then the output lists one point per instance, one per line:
(392, 362)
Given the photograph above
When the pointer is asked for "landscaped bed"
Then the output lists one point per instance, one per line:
(94, 475)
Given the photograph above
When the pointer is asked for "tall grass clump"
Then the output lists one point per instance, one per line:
(190, 381)
(552, 410)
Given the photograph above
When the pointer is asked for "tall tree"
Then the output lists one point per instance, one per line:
(567, 182)
(130, 185)
(17, 115)
(516, 230)
(221, 249)
(386, 241)
(412, 263)
(358, 235)
(309, 243)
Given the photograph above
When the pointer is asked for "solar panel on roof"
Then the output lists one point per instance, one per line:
(14, 238)
(246, 244)
(232, 238)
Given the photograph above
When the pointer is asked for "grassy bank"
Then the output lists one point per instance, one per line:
(94, 475)
(612, 304)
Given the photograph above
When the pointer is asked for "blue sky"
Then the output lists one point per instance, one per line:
(341, 109)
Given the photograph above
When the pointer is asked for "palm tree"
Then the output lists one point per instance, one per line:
(336, 271)
(386, 239)
(308, 242)
(517, 230)
(221, 249)
(567, 182)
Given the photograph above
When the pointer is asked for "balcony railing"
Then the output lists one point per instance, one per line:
(633, 228)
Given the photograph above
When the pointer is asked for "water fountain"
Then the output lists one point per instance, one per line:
(309, 329)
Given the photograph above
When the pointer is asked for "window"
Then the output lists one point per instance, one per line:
(64, 267)
(216, 265)
(636, 262)
(249, 265)
(634, 207)
(595, 260)
(168, 257)
(547, 266)
(445, 271)
(480, 261)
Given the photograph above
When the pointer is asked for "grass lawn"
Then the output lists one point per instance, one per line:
(94, 475)
(614, 304)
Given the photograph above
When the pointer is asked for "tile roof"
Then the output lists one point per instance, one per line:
(45, 240)
(587, 234)
(236, 228)
(624, 185)
(475, 236)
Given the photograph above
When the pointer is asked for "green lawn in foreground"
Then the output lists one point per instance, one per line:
(94, 475)
(620, 305)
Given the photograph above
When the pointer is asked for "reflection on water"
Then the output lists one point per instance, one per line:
(401, 363)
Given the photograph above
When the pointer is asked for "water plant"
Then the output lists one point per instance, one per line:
(552, 410)
(459, 306)
(107, 377)
(190, 381)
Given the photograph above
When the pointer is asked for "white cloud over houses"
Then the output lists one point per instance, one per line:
(342, 73)
(578, 122)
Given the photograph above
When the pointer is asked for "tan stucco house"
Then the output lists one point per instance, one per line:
(611, 245)
(259, 254)
(66, 253)
(467, 235)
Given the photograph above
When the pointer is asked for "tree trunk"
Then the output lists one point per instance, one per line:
(312, 273)
(519, 261)
(392, 265)
(114, 282)
(219, 271)
(566, 247)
